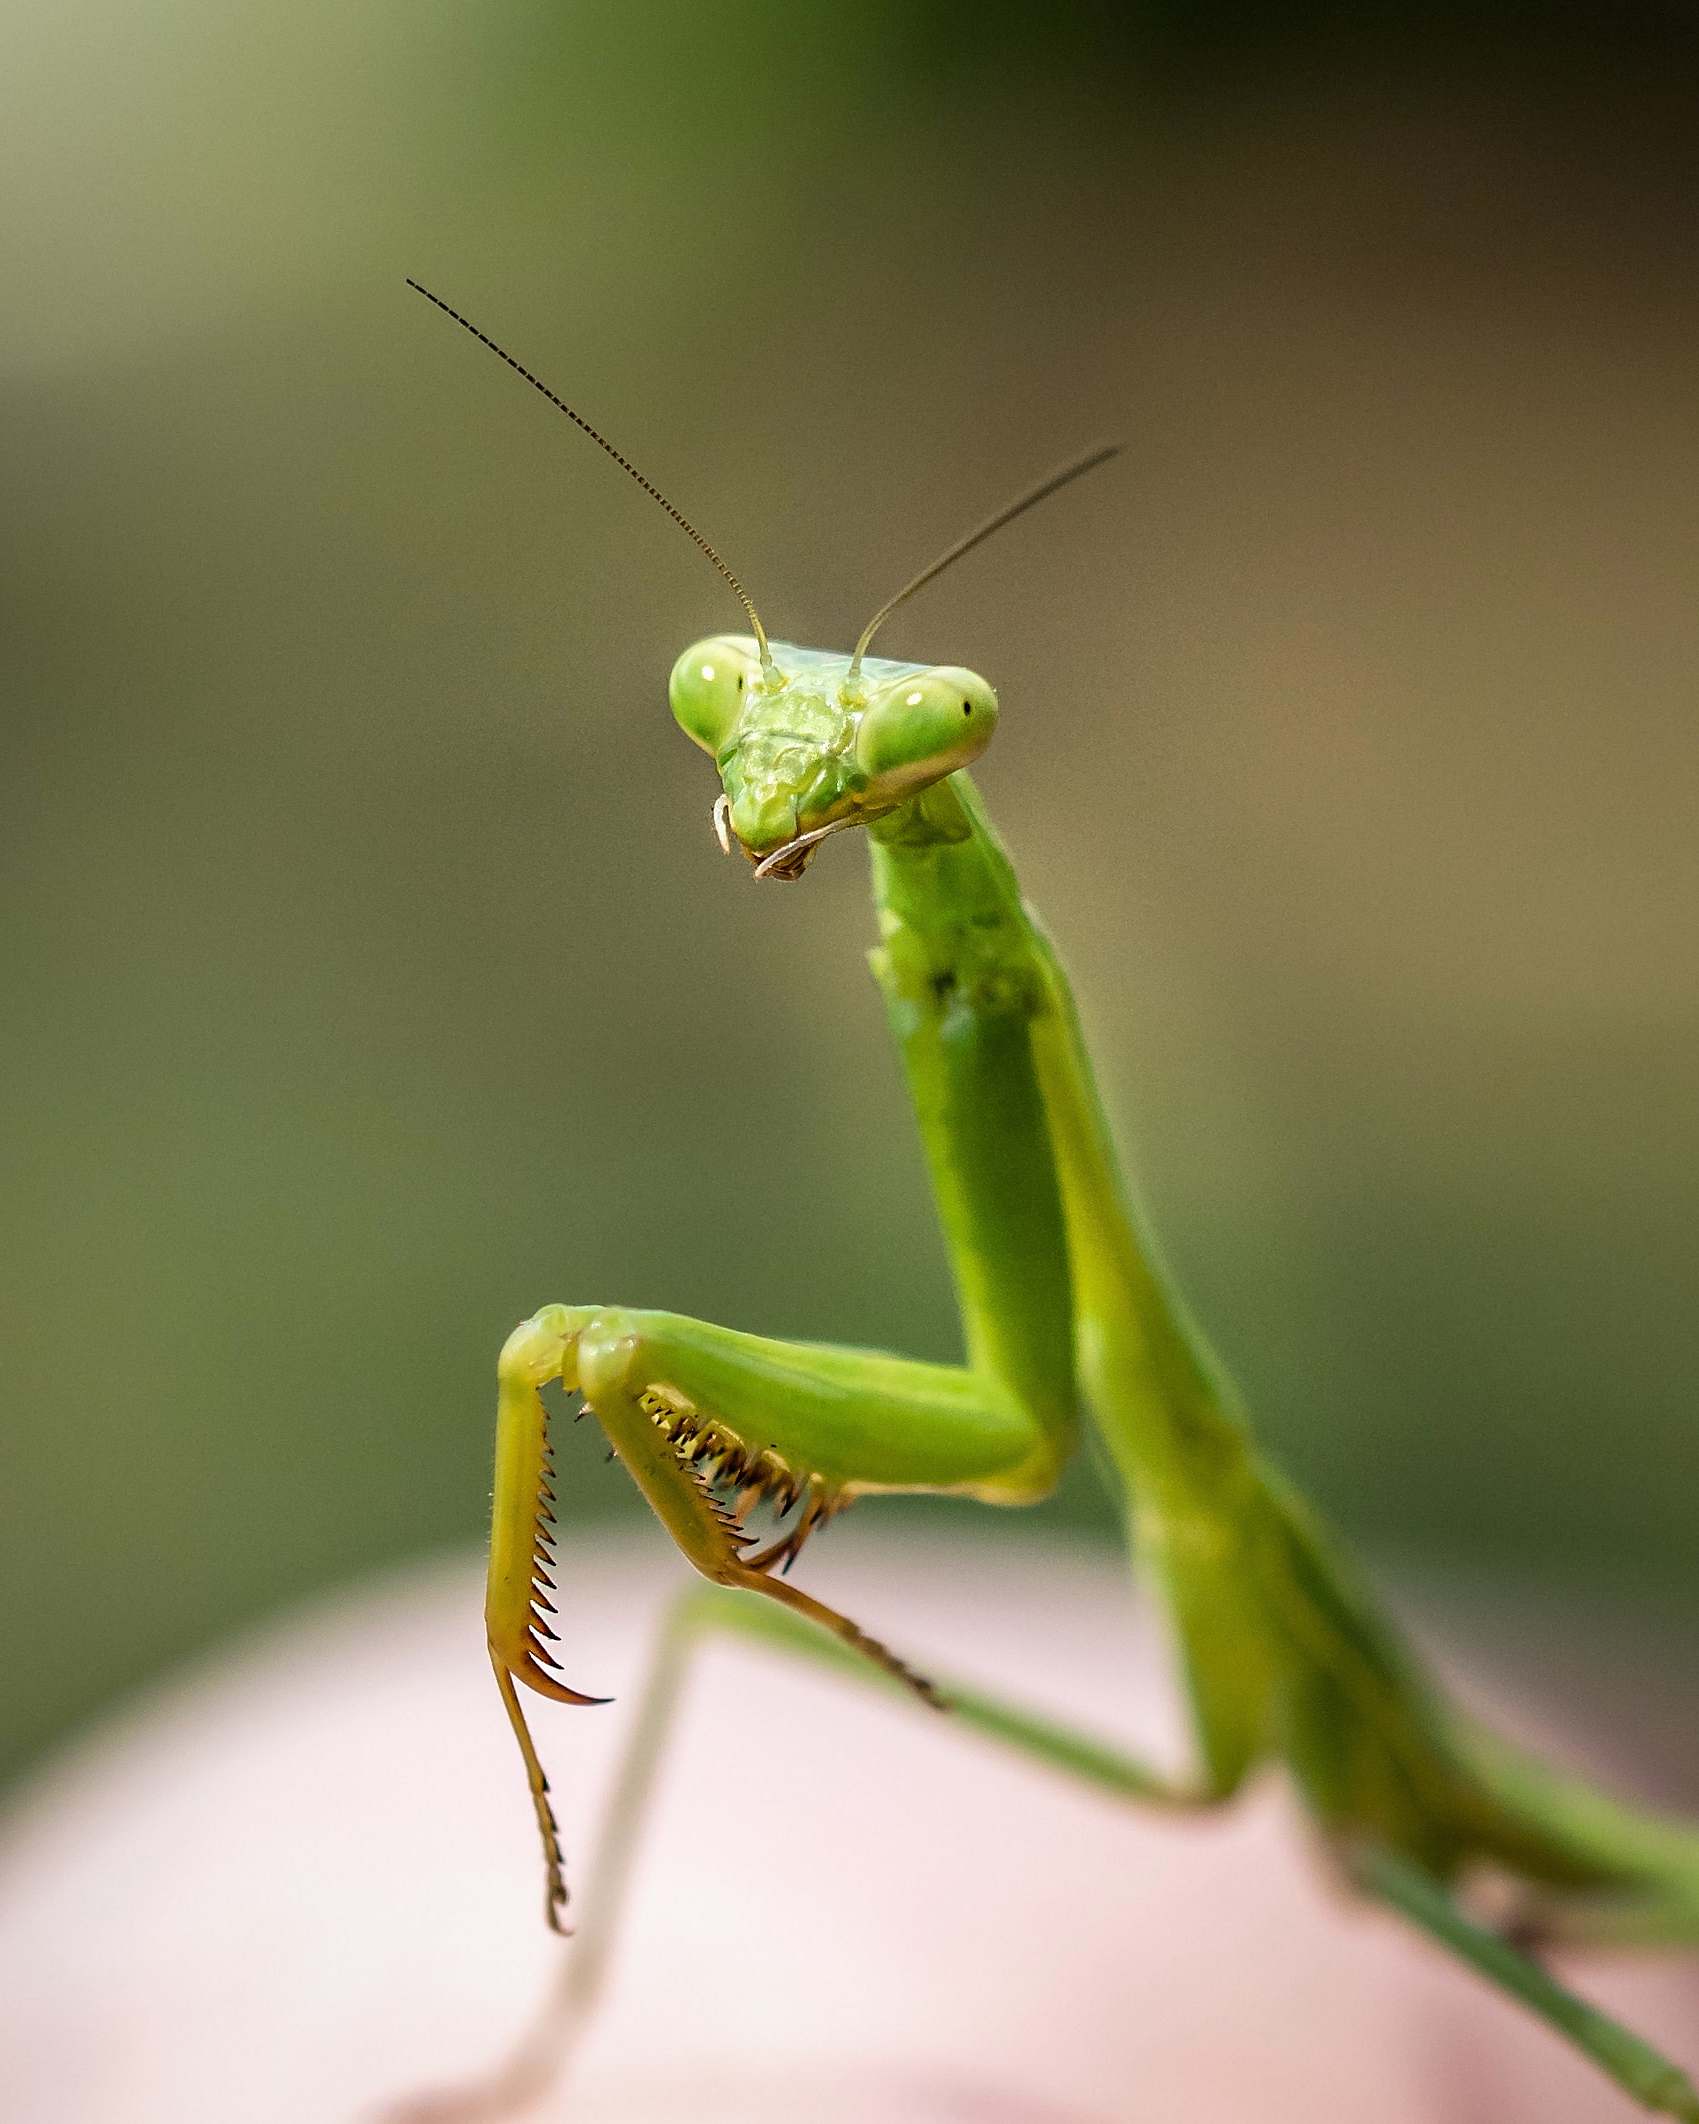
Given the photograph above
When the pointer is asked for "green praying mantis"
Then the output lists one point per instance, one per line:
(1067, 1317)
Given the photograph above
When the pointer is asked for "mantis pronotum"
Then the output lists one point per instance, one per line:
(1066, 1316)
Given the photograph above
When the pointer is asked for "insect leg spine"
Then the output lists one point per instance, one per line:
(717, 1459)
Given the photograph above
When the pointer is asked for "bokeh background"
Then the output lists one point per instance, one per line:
(370, 972)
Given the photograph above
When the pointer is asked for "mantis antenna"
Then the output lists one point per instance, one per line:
(1006, 515)
(624, 463)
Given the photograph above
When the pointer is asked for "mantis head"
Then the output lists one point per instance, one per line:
(808, 742)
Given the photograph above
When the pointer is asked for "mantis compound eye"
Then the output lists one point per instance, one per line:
(916, 730)
(709, 685)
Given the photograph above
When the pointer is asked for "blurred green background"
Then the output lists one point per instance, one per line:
(370, 972)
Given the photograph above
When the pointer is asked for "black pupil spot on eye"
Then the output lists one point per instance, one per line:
(967, 707)
(740, 682)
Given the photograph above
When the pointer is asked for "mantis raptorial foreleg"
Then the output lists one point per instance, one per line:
(1066, 1314)
(707, 1421)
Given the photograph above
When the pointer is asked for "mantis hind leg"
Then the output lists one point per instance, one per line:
(1633, 2064)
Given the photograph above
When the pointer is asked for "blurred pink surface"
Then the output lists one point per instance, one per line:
(304, 1881)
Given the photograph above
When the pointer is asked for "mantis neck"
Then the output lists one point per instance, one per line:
(960, 944)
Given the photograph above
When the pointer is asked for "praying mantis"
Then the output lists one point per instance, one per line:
(1289, 1663)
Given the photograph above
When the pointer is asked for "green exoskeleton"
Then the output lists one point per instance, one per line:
(1067, 1317)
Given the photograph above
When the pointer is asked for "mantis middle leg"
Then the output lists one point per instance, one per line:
(541, 2060)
